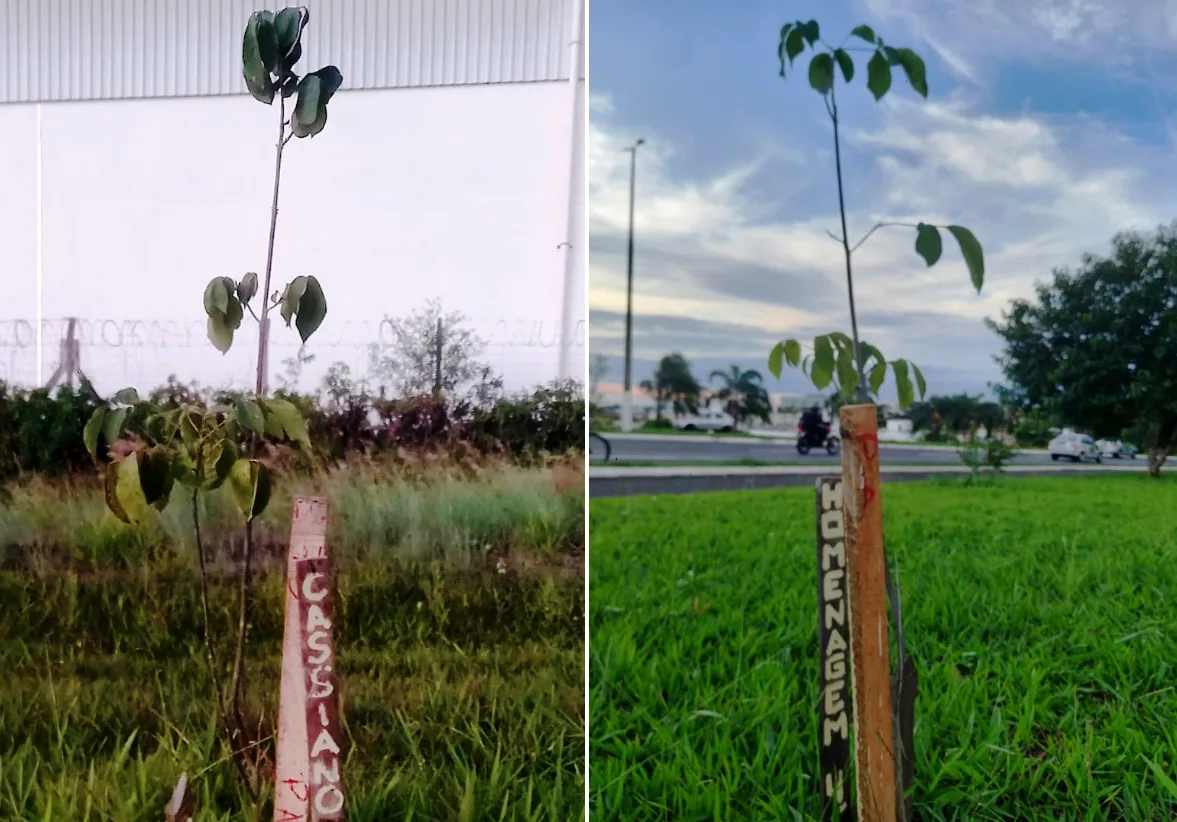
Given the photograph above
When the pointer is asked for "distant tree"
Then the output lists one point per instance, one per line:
(288, 380)
(338, 386)
(743, 394)
(946, 417)
(597, 370)
(1097, 346)
(431, 353)
(674, 383)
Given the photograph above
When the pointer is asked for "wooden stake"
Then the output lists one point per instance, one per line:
(869, 634)
(834, 708)
(307, 780)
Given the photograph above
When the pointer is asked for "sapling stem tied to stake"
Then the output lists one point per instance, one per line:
(859, 367)
(204, 448)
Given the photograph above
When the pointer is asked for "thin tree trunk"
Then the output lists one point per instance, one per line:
(1161, 442)
(861, 395)
(237, 684)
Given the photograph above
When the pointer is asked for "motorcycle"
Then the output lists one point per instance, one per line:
(806, 441)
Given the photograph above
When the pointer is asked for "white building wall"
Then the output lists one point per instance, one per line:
(430, 187)
(54, 50)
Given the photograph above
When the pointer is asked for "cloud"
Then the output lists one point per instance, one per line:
(718, 271)
(973, 36)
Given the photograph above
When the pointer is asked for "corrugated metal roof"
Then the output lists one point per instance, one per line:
(54, 50)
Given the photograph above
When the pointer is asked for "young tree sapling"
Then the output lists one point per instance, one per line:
(204, 448)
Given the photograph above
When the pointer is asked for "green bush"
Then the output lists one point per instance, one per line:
(41, 431)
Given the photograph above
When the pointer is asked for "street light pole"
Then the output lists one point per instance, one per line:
(627, 398)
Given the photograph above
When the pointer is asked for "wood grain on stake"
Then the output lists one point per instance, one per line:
(869, 636)
(297, 783)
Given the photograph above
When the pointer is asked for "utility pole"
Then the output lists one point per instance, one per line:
(437, 364)
(627, 399)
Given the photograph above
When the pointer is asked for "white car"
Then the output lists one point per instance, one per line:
(1116, 449)
(1074, 447)
(706, 420)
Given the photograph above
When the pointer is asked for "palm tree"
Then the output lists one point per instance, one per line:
(743, 394)
(674, 383)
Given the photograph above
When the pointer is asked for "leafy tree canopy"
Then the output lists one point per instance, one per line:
(1097, 345)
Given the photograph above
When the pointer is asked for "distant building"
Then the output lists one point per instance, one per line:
(898, 429)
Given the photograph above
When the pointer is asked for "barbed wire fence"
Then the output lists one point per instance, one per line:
(114, 353)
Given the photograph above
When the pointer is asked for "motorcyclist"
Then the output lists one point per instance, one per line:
(813, 426)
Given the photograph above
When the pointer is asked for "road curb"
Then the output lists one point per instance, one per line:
(778, 441)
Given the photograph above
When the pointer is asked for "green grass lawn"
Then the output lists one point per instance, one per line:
(460, 637)
(1040, 613)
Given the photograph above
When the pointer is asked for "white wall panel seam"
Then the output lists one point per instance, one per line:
(68, 50)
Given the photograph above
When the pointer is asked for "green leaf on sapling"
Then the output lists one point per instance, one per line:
(93, 429)
(288, 27)
(792, 352)
(840, 340)
(903, 384)
(928, 244)
(878, 374)
(878, 76)
(220, 334)
(314, 92)
(794, 45)
(312, 308)
(291, 298)
(864, 33)
(110, 482)
(914, 68)
(780, 50)
(250, 483)
(974, 257)
(247, 288)
(811, 30)
(920, 383)
(775, 359)
(216, 297)
(283, 419)
(189, 430)
(124, 493)
(254, 68)
(823, 362)
(112, 428)
(221, 327)
(225, 463)
(846, 64)
(267, 40)
(250, 416)
(156, 477)
(821, 73)
(847, 371)
(127, 396)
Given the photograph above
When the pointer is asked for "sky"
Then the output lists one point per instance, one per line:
(455, 193)
(1049, 128)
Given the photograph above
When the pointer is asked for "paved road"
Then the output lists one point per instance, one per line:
(629, 481)
(666, 448)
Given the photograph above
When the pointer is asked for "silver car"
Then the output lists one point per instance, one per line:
(1117, 449)
(1074, 447)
